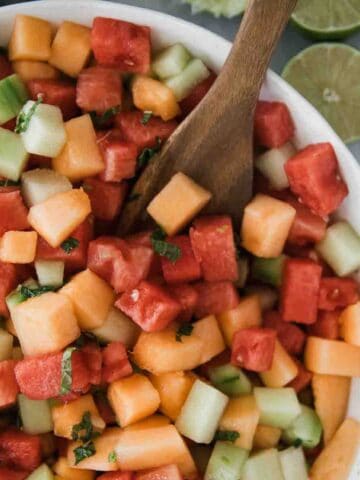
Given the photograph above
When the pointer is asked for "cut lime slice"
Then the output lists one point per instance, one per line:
(227, 8)
(327, 19)
(327, 74)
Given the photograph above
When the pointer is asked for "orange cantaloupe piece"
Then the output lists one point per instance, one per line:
(207, 329)
(242, 416)
(178, 203)
(266, 437)
(57, 477)
(30, 39)
(283, 369)
(29, 70)
(154, 421)
(154, 96)
(332, 357)
(350, 324)
(64, 471)
(57, 217)
(173, 388)
(104, 445)
(67, 415)
(331, 396)
(71, 48)
(246, 314)
(18, 247)
(45, 324)
(133, 398)
(266, 225)
(336, 460)
(81, 157)
(10, 327)
(142, 449)
(91, 297)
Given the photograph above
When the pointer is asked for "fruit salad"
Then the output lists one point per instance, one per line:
(196, 348)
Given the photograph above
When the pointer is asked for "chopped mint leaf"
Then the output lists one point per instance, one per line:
(101, 120)
(147, 154)
(84, 451)
(163, 248)
(298, 443)
(112, 457)
(84, 426)
(66, 371)
(147, 115)
(69, 244)
(227, 435)
(27, 292)
(185, 330)
(23, 119)
(8, 183)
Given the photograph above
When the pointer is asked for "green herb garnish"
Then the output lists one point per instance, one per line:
(112, 457)
(66, 371)
(27, 292)
(298, 443)
(163, 248)
(227, 435)
(23, 119)
(230, 379)
(84, 451)
(84, 431)
(101, 120)
(185, 330)
(8, 183)
(69, 244)
(147, 154)
(86, 337)
(146, 117)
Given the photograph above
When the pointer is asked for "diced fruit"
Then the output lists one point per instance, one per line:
(29, 70)
(61, 93)
(18, 247)
(266, 225)
(253, 348)
(278, 406)
(230, 380)
(41, 473)
(40, 184)
(293, 464)
(6, 68)
(35, 415)
(300, 291)
(305, 428)
(349, 321)
(177, 203)
(268, 270)
(337, 292)
(11, 474)
(20, 450)
(120, 158)
(81, 157)
(226, 462)
(186, 268)
(290, 336)
(6, 345)
(171, 61)
(182, 84)
(30, 39)
(118, 475)
(57, 217)
(215, 298)
(201, 412)
(332, 357)
(245, 315)
(264, 465)
(117, 328)
(8, 384)
(271, 165)
(65, 472)
(116, 364)
(13, 95)
(197, 94)
(327, 325)
(93, 359)
(273, 124)
(106, 198)
(207, 329)
(187, 296)
(154, 421)
(13, 156)
(71, 49)
(122, 45)
(13, 213)
(168, 472)
(337, 458)
(173, 388)
(50, 272)
(314, 176)
(266, 437)
(302, 379)
(283, 369)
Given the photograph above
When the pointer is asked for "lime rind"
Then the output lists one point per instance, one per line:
(226, 8)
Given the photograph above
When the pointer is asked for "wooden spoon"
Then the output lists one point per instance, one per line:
(214, 145)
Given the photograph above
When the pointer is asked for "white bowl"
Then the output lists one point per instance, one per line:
(311, 127)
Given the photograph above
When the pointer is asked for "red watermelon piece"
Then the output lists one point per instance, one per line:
(188, 297)
(8, 384)
(13, 213)
(120, 157)
(291, 336)
(253, 348)
(326, 325)
(186, 268)
(11, 474)
(20, 450)
(8, 281)
(215, 298)
(106, 198)
(5, 67)
(273, 125)
(337, 292)
(61, 93)
(116, 364)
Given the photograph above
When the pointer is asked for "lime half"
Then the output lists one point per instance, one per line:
(226, 8)
(328, 74)
(327, 19)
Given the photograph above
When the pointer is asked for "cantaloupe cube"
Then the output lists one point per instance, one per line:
(57, 217)
(331, 397)
(29, 70)
(154, 96)
(10, 327)
(155, 421)
(91, 297)
(246, 314)
(6, 345)
(142, 449)
(266, 225)
(331, 357)
(133, 398)
(283, 368)
(18, 247)
(207, 329)
(350, 324)
(45, 324)
(242, 416)
(177, 203)
(63, 469)
(266, 437)
(336, 460)
(30, 39)
(81, 157)
(70, 50)
(66, 415)
(173, 388)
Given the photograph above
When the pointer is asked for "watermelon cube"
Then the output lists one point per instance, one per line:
(314, 177)
(290, 336)
(13, 213)
(212, 239)
(93, 360)
(186, 268)
(188, 104)
(337, 292)
(327, 325)
(8, 280)
(11, 474)
(106, 198)
(116, 364)
(20, 450)
(303, 378)
(273, 125)
(8, 385)
(215, 298)
(150, 306)
(120, 158)
(188, 297)
(122, 45)
(253, 348)
(167, 472)
(5, 67)
(300, 290)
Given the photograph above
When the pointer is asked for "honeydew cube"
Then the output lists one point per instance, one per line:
(264, 465)
(177, 203)
(45, 134)
(293, 464)
(6, 345)
(71, 48)
(118, 328)
(278, 406)
(57, 217)
(283, 368)
(13, 155)
(50, 272)
(65, 472)
(42, 183)
(171, 61)
(193, 74)
(201, 412)
(18, 247)
(13, 95)
(30, 39)
(66, 415)
(133, 398)
(45, 324)
(29, 70)
(41, 473)
(226, 462)
(91, 297)
(35, 415)
(271, 165)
